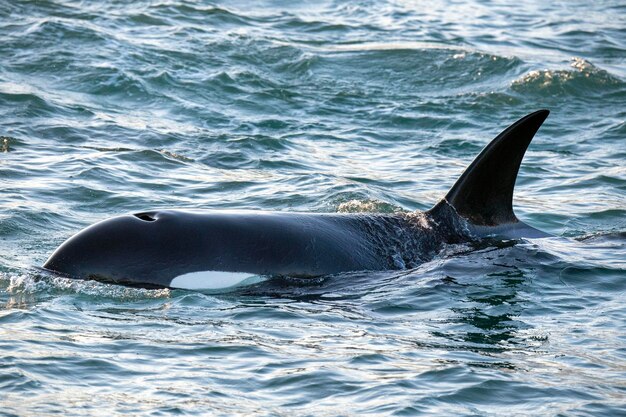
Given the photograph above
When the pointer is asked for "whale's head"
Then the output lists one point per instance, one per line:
(124, 249)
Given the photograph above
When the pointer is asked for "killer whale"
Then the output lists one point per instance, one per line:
(197, 250)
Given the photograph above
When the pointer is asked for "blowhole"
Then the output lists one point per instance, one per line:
(146, 217)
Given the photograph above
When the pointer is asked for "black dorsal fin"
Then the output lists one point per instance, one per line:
(484, 193)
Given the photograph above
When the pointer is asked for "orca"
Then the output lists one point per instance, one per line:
(207, 250)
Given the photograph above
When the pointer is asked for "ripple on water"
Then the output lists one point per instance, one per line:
(377, 107)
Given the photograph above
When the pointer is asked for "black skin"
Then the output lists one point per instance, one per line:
(152, 248)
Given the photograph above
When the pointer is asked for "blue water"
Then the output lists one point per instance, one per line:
(328, 107)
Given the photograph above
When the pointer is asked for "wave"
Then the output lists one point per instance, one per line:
(584, 79)
(38, 285)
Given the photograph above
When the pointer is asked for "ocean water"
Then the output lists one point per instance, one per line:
(332, 106)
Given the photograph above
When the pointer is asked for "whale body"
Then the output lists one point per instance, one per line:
(197, 250)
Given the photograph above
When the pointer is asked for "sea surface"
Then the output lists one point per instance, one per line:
(328, 106)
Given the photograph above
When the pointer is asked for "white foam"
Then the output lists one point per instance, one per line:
(214, 280)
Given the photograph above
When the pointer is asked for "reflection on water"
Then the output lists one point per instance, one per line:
(109, 108)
